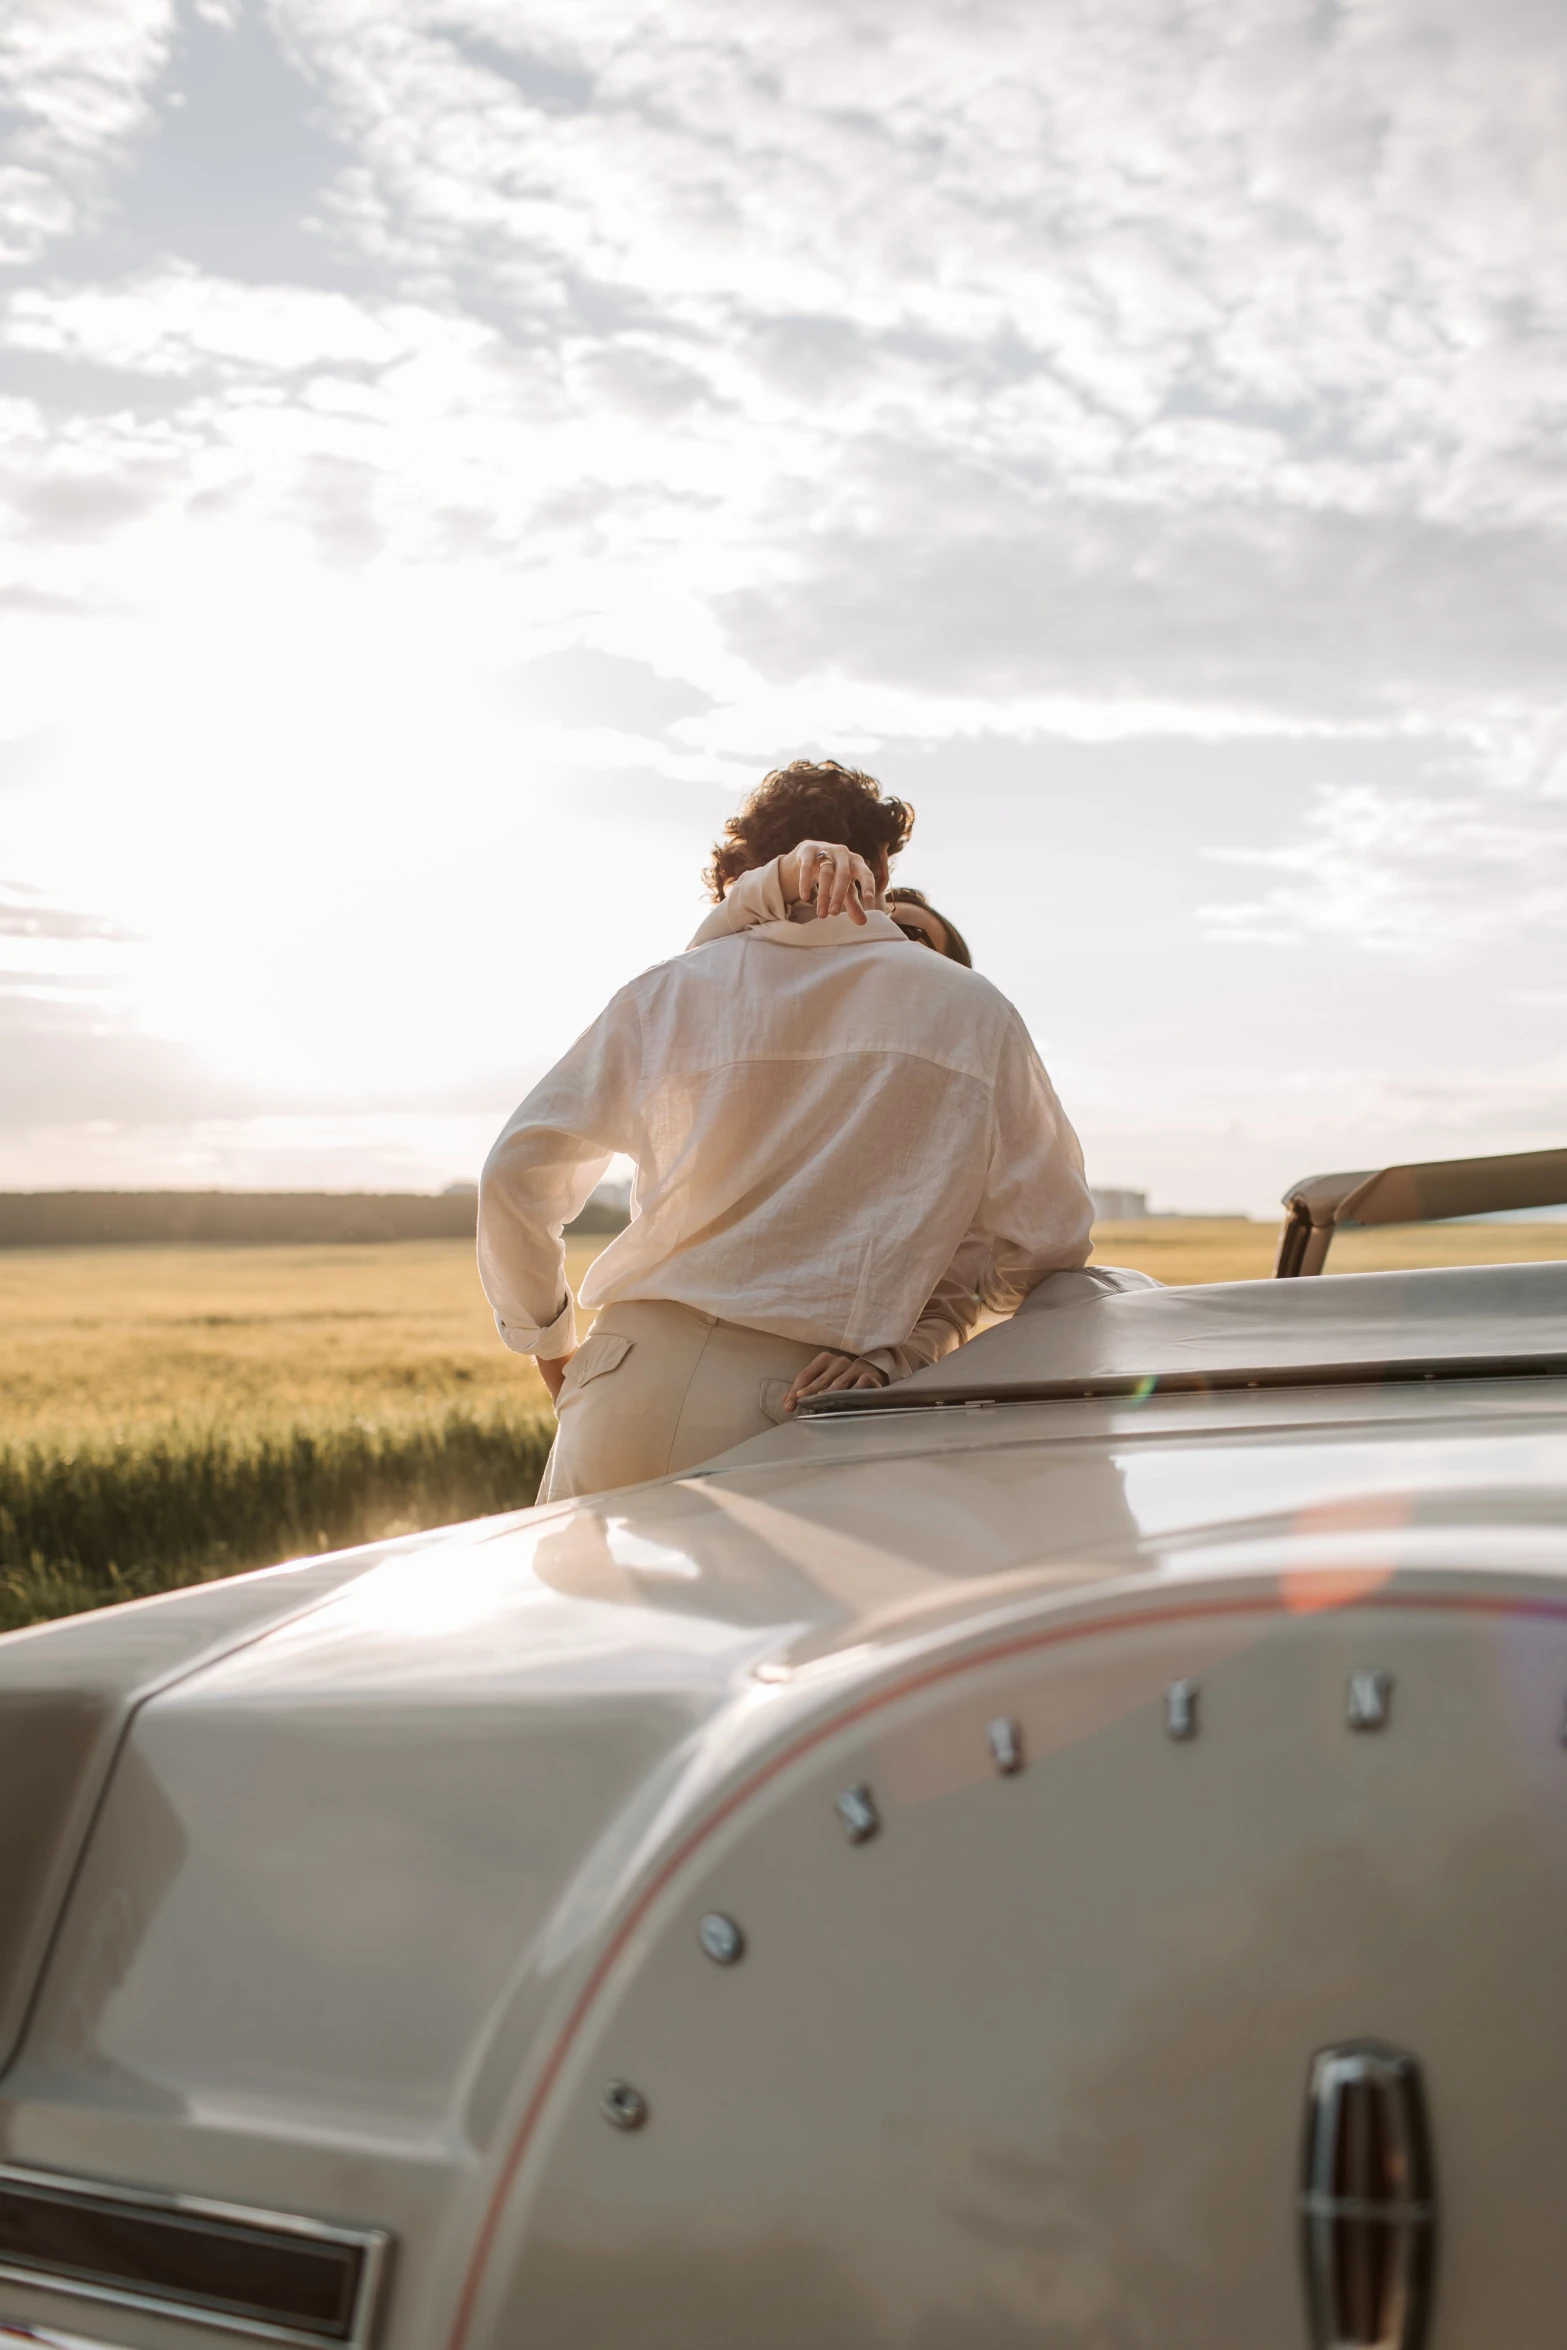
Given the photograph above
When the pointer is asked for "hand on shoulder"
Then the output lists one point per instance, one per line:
(839, 881)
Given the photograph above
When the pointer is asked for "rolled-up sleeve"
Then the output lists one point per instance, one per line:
(951, 1312)
(753, 896)
(552, 1151)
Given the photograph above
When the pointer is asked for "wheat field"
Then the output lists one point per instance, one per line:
(119, 1344)
(174, 1413)
(102, 1343)
(1181, 1249)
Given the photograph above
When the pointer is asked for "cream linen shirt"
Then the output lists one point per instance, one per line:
(826, 1122)
(952, 1308)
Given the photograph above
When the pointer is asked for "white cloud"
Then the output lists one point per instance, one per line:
(1004, 349)
(424, 410)
(74, 74)
(1410, 872)
(170, 320)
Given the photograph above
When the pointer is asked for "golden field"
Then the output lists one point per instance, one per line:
(1180, 1249)
(110, 1343)
(116, 1342)
(175, 1413)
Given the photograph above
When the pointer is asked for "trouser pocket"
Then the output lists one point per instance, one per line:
(601, 1351)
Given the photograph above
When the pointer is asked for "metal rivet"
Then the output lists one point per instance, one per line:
(721, 1938)
(1180, 1709)
(1006, 1745)
(1366, 1705)
(624, 2106)
(858, 1813)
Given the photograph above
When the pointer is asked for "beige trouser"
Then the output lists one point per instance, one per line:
(656, 1388)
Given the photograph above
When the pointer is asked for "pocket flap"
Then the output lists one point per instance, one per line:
(773, 1393)
(600, 1351)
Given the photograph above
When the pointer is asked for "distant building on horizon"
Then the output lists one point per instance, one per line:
(1114, 1204)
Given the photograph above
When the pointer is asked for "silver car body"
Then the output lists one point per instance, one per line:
(891, 1887)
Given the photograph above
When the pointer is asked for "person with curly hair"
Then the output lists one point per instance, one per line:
(841, 1147)
(815, 804)
(755, 897)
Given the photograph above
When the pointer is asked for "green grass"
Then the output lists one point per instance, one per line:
(168, 1414)
(100, 1522)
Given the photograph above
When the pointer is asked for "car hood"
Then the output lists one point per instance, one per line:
(1075, 1333)
(348, 1873)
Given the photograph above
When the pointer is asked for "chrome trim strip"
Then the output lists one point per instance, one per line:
(373, 2243)
(1393, 2215)
(843, 1402)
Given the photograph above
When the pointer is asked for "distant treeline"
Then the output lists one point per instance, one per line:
(248, 1219)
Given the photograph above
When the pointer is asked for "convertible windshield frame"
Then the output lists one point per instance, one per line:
(1428, 1191)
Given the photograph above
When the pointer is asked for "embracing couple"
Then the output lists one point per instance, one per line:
(844, 1144)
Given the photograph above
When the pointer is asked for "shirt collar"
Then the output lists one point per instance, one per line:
(839, 930)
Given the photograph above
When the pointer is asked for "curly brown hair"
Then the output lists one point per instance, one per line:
(809, 802)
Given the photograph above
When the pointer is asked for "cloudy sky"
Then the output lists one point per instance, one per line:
(450, 448)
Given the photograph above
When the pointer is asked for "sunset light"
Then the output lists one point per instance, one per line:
(453, 451)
